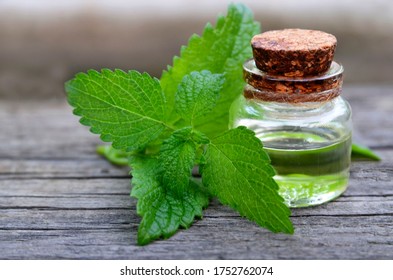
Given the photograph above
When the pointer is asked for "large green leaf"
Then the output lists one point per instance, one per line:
(237, 170)
(221, 49)
(125, 108)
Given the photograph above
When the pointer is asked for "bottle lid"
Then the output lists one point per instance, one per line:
(294, 52)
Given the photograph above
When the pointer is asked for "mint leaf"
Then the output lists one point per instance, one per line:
(162, 211)
(113, 155)
(125, 108)
(177, 159)
(221, 49)
(197, 94)
(238, 171)
(360, 151)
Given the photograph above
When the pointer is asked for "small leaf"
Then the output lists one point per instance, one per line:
(237, 170)
(162, 212)
(125, 108)
(177, 158)
(197, 94)
(363, 152)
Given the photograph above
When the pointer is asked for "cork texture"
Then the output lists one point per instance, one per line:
(294, 52)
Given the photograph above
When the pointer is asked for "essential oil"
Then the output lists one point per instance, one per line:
(299, 115)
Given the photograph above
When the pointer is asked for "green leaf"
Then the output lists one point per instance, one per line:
(162, 212)
(177, 159)
(197, 94)
(114, 156)
(237, 170)
(125, 108)
(221, 49)
(359, 151)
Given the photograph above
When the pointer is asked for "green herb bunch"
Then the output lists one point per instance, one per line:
(163, 128)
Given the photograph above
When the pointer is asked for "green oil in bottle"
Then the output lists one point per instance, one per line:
(310, 168)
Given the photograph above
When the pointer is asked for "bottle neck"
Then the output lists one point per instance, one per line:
(264, 87)
(304, 112)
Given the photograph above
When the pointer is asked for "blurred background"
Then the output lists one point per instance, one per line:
(43, 43)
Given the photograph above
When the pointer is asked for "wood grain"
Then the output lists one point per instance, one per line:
(59, 200)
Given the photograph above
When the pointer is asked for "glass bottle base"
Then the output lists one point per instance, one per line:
(299, 190)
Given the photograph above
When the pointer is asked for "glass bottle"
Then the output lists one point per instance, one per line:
(305, 127)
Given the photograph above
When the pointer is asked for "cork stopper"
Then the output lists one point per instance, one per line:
(294, 52)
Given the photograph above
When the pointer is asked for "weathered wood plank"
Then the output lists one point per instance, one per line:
(46, 130)
(372, 108)
(62, 168)
(224, 238)
(344, 206)
(31, 207)
(64, 187)
(26, 218)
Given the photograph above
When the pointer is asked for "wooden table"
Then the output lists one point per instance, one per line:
(59, 200)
